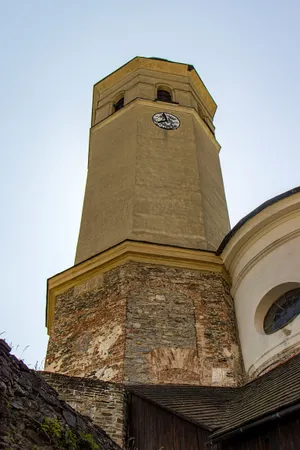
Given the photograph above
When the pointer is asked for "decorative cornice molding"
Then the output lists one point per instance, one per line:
(171, 106)
(265, 362)
(262, 209)
(163, 66)
(260, 228)
(259, 256)
(259, 235)
(130, 251)
(262, 254)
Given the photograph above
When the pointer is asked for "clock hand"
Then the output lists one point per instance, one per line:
(164, 118)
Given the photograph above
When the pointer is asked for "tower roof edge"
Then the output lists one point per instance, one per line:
(161, 65)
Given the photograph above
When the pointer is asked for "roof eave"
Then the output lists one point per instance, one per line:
(254, 213)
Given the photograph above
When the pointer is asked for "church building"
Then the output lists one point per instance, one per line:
(173, 331)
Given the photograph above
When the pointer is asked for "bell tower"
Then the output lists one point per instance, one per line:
(148, 180)
(148, 298)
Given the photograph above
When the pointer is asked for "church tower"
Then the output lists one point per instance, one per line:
(152, 177)
(148, 299)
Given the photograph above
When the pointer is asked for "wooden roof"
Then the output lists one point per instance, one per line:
(271, 393)
(222, 410)
(204, 406)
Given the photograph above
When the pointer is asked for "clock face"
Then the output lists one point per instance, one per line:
(166, 121)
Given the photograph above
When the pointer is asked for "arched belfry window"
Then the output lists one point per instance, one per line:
(119, 104)
(164, 95)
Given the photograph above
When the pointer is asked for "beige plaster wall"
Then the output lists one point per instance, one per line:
(109, 195)
(167, 207)
(151, 184)
(146, 183)
(263, 259)
(214, 204)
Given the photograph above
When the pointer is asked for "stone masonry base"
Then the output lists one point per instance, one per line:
(147, 323)
(103, 402)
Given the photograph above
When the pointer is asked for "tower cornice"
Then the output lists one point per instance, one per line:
(171, 107)
(130, 251)
(163, 66)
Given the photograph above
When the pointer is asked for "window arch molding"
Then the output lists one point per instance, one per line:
(118, 102)
(164, 89)
(267, 301)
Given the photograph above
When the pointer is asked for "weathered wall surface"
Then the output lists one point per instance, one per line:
(277, 360)
(147, 323)
(88, 334)
(33, 417)
(103, 402)
(180, 327)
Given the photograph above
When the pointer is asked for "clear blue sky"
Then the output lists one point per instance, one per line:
(247, 54)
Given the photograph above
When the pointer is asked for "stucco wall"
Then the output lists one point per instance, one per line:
(150, 184)
(147, 183)
(263, 259)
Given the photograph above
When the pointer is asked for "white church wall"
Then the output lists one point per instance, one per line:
(263, 259)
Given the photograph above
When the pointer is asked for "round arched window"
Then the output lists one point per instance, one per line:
(119, 104)
(164, 96)
(283, 311)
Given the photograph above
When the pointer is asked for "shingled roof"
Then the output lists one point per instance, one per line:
(271, 393)
(204, 406)
(222, 410)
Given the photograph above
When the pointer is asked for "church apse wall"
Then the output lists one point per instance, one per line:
(262, 257)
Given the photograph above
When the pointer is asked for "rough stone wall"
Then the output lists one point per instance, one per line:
(33, 417)
(180, 327)
(88, 334)
(148, 323)
(103, 402)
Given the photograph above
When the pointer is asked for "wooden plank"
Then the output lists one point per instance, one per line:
(152, 427)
